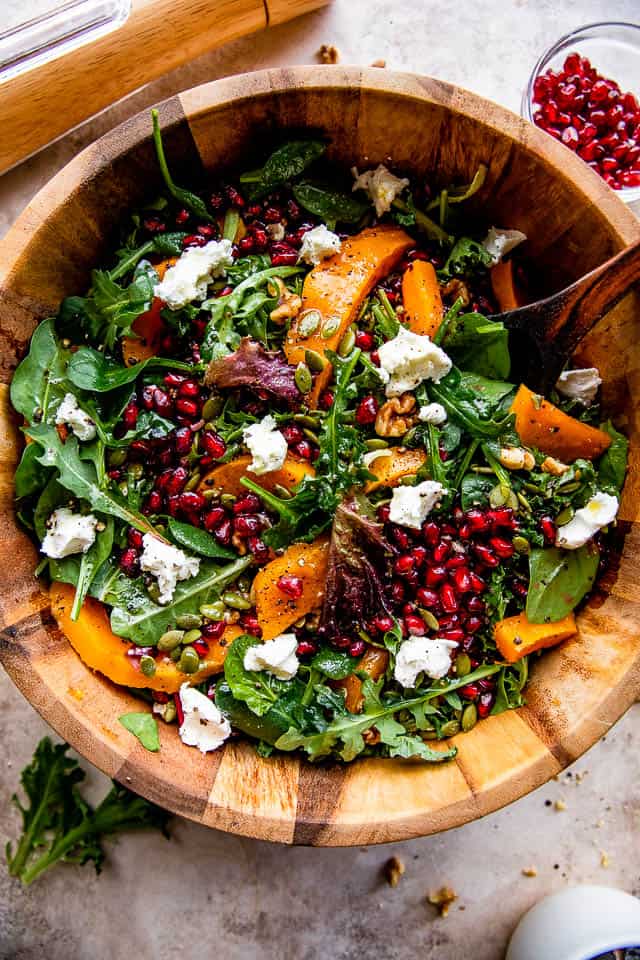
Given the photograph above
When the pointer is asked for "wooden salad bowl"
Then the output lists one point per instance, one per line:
(574, 222)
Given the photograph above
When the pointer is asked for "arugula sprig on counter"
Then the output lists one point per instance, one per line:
(60, 826)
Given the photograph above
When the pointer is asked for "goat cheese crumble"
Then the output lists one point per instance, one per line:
(432, 413)
(409, 359)
(167, 564)
(68, 533)
(277, 656)
(204, 725)
(581, 385)
(585, 523)
(498, 243)
(381, 185)
(72, 415)
(430, 655)
(266, 444)
(410, 506)
(319, 243)
(189, 278)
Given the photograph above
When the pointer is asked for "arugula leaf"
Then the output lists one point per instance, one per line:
(510, 683)
(58, 825)
(467, 258)
(558, 580)
(166, 244)
(479, 345)
(302, 517)
(144, 727)
(197, 541)
(188, 199)
(284, 164)
(30, 476)
(257, 688)
(333, 206)
(89, 369)
(39, 382)
(334, 663)
(135, 616)
(612, 468)
(407, 215)
(90, 563)
(80, 477)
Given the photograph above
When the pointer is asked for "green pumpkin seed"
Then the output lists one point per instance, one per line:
(212, 407)
(513, 502)
(170, 640)
(347, 343)
(227, 500)
(176, 654)
(147, 665)
(193, 481)
(170, 712)
(428, 734)
(310, 435)
(376, 443)
(329, 327)
(236, 601)
(524, 503)
(407, 481)
(282, 491)
(431, 621)
(213, 611)
(303, 378)
(209, 494)
(314, 360)
(565, 516)
(497, 496)
(308, 323)
(153, 589)
(463, 665)
(191, 636)
(450, 729)
(123, 487)
(189, 660)
(135, 471)
(188, 621)
(313, 423)
(469, 717)
(570, 487)
(521, 545)
(116, 458)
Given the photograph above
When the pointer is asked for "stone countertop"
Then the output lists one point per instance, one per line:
(205, 893)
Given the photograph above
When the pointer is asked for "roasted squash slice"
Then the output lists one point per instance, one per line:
(422, 299)
(516, 637)
(504, 287)
(275, 610)
(148, 326)
(227, 476)
(374, 662)
(337, 286)
(541, 424)
(96, 644)
(391, 468)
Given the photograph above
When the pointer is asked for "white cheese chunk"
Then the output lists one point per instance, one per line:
(432, 413)
(277, 656)
(318, 244)
(410, 506)
(409, 359)
(498, 243)
(430, 655)
(72, 415)
(381, 185)
(598, 512)
(167, 563)
(581, 385)
(68, 533)
(204, 725)
(266, 444)
(188, 279)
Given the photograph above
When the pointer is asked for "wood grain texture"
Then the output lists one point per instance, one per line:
(157, 37)
(574, 223)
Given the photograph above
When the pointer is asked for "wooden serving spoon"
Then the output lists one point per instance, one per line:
(544, 334)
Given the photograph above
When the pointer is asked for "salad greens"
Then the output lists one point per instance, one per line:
(302, 534)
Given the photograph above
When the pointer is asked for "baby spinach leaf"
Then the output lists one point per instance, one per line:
(136, 617)
(558, 580)
(612, 467)
(190, 200)
(466, 408)
(30, 475)
(284, 164)
(479, 345)
(333, 206)
(89, 369)
(267, 727)
(197, 541)
(489, 395)
(39, 382)
(334, 663)
(143, 726)
(90, 563)
(257, 688)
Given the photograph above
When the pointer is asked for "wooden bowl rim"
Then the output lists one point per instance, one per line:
(299, 821)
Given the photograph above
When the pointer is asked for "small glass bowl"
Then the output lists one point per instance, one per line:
(614, 51)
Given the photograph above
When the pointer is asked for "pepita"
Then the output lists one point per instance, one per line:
(170, 640)
(191, 636)
(213, 611)
(450, 729)
(193, 481)
(188, 621)
(469, 717)
(308, 323)
(463, 665)
(147, 665)
(212, 407)
(347, 343)
(314, 360)
(303, 378)
(565, 516)
(227, 500)
(189, 661)
(313, 423)
(376, 443)
(430, 620)
(521, 545)
(330, 326)
(236, 601)
(497, 496)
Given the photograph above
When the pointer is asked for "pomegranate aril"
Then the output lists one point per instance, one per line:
(431, 533)
(477, 521)
(503, 548)
(283, 255)
(258, 549)
(176, 481)
(304, 449)
(342, 643)
(194, 240)
(548, 529)
(134, 538)
(456, 561)
(427, 598)
(485, 555)
(326, 400)
(213, 517)
(191, 501)
(222, 532)
(415, 625)
(305, 648)
(213, 631)
(247, 525)
(401, 537)
(188, 408)
(441, 551)
(397, 591)
(403, 564)
(154, 501)
(129, 562)
(419, 555)
(213, 444)
(290, 585)
(364, 341)
(461, 579)
(248, 503)
(367, 411)
(357, 648)
(470, 691)
(475, 604)
(130, 416)
(485, 704)
(448, 598)
(435, 576)
(292, 433)
(456, 634)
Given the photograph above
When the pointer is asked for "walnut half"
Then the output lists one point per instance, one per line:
(289, 304)
(396, 416)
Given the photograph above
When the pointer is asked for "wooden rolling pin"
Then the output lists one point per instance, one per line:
(40, 105)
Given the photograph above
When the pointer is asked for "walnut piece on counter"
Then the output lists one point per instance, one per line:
(328, 53)
(396, 416)
(442, 899)
(529, 872)
(393, 870)
(379, 63)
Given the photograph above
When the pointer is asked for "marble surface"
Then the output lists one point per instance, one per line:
(205, 892)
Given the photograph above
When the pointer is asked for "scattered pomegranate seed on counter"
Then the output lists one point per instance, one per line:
(593, 117)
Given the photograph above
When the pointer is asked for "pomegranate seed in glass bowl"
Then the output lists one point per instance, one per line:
(585, 91)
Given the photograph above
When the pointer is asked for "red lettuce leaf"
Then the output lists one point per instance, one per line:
(257, 369)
